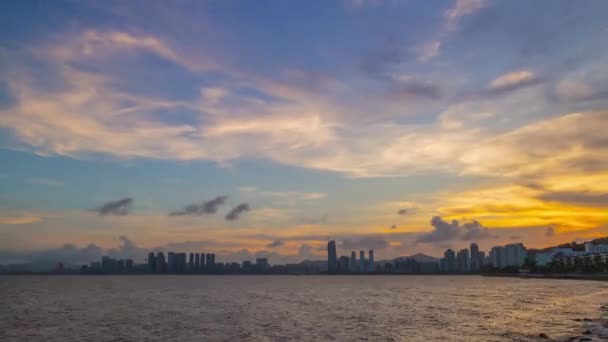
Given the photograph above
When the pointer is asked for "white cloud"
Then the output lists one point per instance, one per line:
(512, 79)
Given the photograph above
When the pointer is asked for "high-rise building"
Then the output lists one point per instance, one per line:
(449, 261)
(160, 263)
(171, 262)
(370, 263)
(332, 257)
(463, 261)
(262, 265)
(197, 262)
(496, 256)
(353, 261)
(343, 264)
(203, 261)
(475, 258)
(180, 259)
(361, 261)
(208, 260)
(191, 263)
(151, 262)
(212, 259)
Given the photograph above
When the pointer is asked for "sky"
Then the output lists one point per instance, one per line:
(266, 128)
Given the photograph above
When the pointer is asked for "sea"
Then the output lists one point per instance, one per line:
(293, 308)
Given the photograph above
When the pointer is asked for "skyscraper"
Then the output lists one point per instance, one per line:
(160, 263)
(353, 261)
(151, 262)
(202, 262)
(475, 258)
(332, 257)
(361, 261)
(370, 263)
(171, 262)
(463, 261)
(450, 261)
(343, 265)
(197, 262)
(208, 260)
(191, 263)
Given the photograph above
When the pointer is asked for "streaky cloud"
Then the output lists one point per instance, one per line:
(199, 209)
(120, 207)
(235, 213)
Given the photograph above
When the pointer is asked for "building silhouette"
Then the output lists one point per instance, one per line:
(353, 261)
(449, 258)
(332, 257)
(361, 261)
(370, 263)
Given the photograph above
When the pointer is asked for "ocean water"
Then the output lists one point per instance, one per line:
(292, 308)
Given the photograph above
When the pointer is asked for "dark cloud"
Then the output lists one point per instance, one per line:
(549, 231)
(574, 197)
(515, 237)
(364, 243)
(205, 208)
(117, 208)
(393, 227)
(449, 231)
(401, 211)
(275, 243)
(234, 213)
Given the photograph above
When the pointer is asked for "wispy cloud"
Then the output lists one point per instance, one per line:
(120, 207)
(235, 213)
(199, 209)
(18, 220)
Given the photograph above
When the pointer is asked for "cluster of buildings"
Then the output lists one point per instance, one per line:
(470, 260)
(568, 256)
(473, 260)
(350, 264)
(175, 263)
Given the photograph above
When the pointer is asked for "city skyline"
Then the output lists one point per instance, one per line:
(252, 131)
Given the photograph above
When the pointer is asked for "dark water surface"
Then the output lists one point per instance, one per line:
(292, 308)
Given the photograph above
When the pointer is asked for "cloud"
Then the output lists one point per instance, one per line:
(511, 81)
(198, 209)
(116, 208)
(450, 231)
(364, 243)
(237, 211)
(393, 227)
(17, 220)
(451, 20)
(71, 254)
(416, 89)
(550, 231)
(576, 197)
(275, 243)
(402, 212)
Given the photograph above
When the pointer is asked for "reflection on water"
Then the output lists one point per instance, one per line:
(283, 308)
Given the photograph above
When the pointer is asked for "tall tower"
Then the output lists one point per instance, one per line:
(353, 261)
(361, 261)
(370, 263)
(475, 259)
(332, 257)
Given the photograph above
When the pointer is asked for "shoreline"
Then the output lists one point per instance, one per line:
(566, 276)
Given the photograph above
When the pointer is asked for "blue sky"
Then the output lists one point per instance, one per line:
(325, 117)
